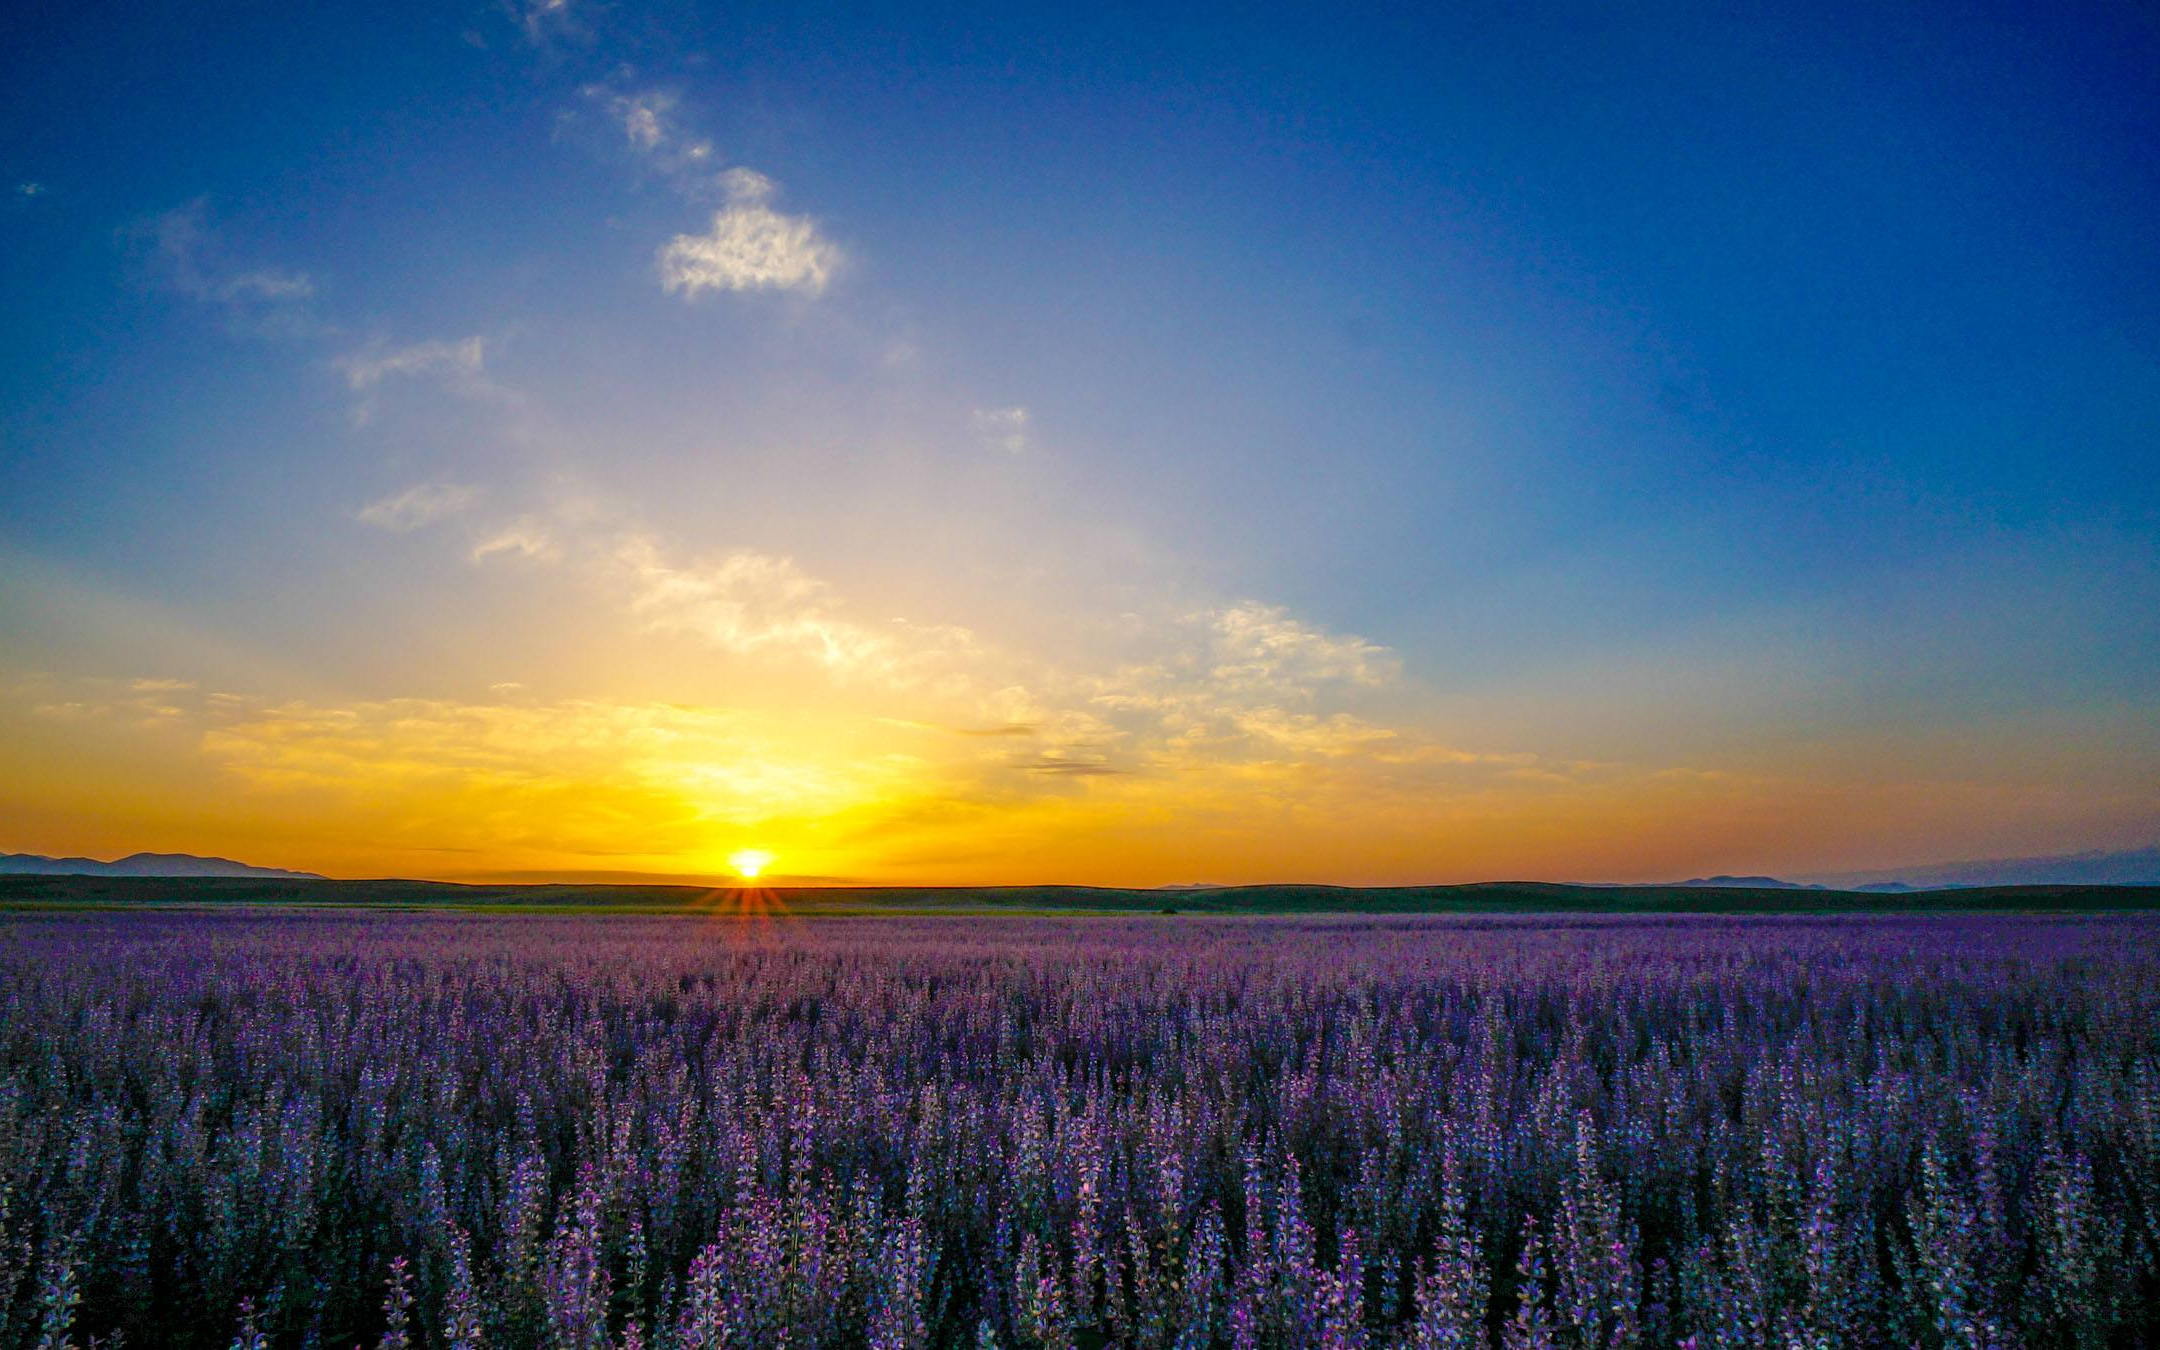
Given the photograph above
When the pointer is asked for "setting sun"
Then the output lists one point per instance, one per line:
(748, 862)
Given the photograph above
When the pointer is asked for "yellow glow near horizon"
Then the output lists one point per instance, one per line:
(525, 788)
(749, 862)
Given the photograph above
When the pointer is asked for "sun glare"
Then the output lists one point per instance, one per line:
(748, 862)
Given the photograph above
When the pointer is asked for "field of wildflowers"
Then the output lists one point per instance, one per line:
(263, 1129)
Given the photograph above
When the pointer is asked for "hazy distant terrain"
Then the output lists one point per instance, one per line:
(2117, 867)
(142, 865)
(1478, 898)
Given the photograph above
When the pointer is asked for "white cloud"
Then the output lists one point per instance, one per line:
(460, 362)
(418, 506)
(750, 247)
(744, 185)
(32, 189)
(1259, 646)
(641, 120)
(1004, 428)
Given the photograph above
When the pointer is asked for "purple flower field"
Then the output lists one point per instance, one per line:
(254, 1129)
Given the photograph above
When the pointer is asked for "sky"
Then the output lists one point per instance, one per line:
(1123, 445)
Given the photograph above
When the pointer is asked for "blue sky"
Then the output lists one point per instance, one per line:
(1285, 406)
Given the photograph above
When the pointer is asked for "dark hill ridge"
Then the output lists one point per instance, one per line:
(1498, 897)
(143, 865)
(1747, 883)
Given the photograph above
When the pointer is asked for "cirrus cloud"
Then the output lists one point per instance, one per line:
(188, 256)
(459, 361)
(422, 504)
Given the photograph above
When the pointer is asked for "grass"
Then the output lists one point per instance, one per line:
(1501, 897)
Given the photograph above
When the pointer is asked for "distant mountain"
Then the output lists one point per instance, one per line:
(1754, 883)
(2118, 867)
(143, 865)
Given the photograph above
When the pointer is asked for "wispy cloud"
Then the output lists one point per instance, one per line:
(1071, 761)
(532, 778)
(143, 702)
(456, 364)
(543, 21)
(763, 604)
(1003, 428)
(458, 361)
(1308, 733)
(1261, 646)
(1237, 698)
(750, 247)
(187, 255)
(655, 138)
(1245, 675)
(526, 537)
(419, 505)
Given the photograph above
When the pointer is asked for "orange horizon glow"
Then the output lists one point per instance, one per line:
(623, 793)
(1253, 749)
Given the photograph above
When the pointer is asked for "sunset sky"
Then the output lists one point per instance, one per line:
(1015, 444)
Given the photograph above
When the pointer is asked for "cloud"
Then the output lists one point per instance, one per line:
(544, 20)
(457, 364)
(31, 189)
(759, 603)
(656, 139)
(1225, 696)
(1260, 646)
(641, 117)
(144, 703)
(1004, 428)
(460, 362)
(187, 256)
(527, 537)
(417, 506)
(745, 185)
(1216, 698)
(750, 247)
(1071, 762)
(1244, 681)
(1306, 733)
(1229, 674)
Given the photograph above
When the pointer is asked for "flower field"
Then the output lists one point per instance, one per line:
(264, 1129)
